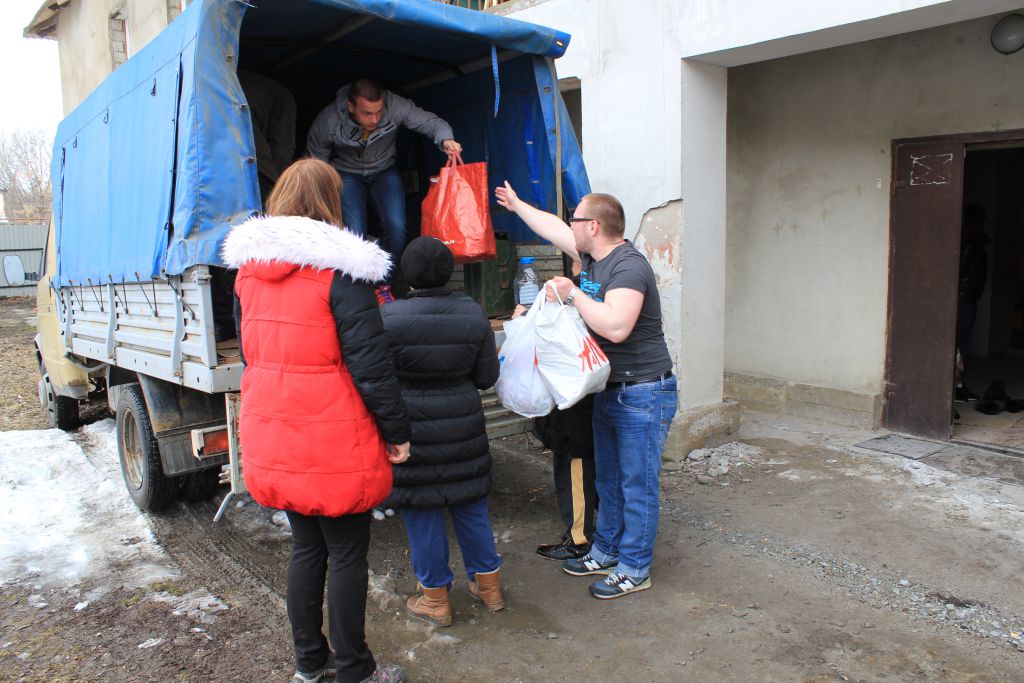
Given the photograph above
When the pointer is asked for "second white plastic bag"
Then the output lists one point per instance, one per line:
(520, 386)
(568, 357)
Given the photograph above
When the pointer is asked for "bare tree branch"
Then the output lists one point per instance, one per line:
(25, 174)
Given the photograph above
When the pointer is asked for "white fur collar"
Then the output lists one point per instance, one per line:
(307, 243)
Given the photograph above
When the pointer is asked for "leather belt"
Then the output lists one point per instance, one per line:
(645, 380)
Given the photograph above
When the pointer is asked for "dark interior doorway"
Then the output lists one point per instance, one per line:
(993, 372)
(934, 179)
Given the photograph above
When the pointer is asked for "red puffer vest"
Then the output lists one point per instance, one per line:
(309, 444)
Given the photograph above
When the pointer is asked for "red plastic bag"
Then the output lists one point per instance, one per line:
(456, 211)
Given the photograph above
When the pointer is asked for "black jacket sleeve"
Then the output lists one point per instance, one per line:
(238, 323)
(485, 369)
(364, 346)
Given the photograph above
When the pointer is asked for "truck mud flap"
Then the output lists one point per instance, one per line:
(174, 412)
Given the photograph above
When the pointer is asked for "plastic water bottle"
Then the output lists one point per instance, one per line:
(527, 285)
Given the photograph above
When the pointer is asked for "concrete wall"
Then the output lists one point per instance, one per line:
(84, 41)
(630, 95)
(808, 188)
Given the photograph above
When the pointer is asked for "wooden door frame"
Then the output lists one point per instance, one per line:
(968, 140)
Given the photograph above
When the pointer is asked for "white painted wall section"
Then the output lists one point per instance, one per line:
(627, 61)
(734, 32)
(702, 316)
(84, 41)
(808, 186)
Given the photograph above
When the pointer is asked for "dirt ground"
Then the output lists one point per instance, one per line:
(19, 373)
(791, 555)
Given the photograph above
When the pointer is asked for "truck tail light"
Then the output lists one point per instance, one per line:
(209, 442)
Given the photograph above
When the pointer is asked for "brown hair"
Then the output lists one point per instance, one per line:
(606, 210)
(310, 188)
(367, 89)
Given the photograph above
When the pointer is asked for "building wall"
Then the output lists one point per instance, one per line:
(809, 184)
(87, 44)
(630, 97)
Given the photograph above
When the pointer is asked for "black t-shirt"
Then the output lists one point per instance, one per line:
(644, 352)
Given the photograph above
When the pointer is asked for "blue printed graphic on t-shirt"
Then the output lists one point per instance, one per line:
(589, 287)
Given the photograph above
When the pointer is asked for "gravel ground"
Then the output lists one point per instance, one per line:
(881, 587)
(789, 555)
(19, 372)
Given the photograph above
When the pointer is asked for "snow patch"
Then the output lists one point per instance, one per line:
(66, 513)
(197, 605)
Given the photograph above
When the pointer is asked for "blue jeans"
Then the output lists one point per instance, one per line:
(630, 427)
(386, 191)
(428, 542)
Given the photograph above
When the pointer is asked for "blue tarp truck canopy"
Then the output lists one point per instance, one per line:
(155, 166)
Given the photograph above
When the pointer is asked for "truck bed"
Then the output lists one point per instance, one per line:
(163, 328)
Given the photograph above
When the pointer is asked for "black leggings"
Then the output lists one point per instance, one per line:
(340, 544)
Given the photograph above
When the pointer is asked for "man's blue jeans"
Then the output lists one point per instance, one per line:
(630, 427)
(428, 542)
(387, 193)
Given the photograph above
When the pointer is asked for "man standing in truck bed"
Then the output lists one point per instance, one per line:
(356, 134)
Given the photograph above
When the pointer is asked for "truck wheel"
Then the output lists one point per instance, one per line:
(140, 456)
(200, 486)
(61, 411)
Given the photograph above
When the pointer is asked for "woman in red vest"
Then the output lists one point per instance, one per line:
(322, 413)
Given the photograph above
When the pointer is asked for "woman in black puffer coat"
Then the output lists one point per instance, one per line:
(444, 353)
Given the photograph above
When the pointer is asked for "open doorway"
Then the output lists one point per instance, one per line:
(934, 181)
(990, 318)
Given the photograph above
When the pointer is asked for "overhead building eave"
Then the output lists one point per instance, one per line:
(44, 23)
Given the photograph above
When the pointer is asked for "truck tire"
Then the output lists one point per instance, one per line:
(140, 455)
(61, 411)
(200, 486)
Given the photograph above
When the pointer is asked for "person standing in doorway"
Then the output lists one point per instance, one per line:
(357, 134)
(973, 277)
(618, 299)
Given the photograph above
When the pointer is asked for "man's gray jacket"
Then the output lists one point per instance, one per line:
(337, 139)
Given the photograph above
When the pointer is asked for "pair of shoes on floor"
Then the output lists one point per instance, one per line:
(563, 550)
(996, 400)
(615, 584)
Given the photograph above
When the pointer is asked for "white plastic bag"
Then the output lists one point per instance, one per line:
(568, 357)
(520, 386)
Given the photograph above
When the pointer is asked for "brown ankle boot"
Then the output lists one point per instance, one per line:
(487, 589)
(432, 606)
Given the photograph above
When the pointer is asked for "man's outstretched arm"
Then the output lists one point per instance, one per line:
(546, 225)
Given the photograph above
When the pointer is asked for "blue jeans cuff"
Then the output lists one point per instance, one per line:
(601, 556)
(633, 572)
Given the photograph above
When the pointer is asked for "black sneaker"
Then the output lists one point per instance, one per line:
(586, 566)
(563, 550)
(386, 673)
(963, 394)
(616, 584)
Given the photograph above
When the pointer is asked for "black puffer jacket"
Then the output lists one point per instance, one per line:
(569, 431)
(443, 350)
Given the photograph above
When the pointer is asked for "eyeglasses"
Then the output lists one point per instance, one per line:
(580, 220)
